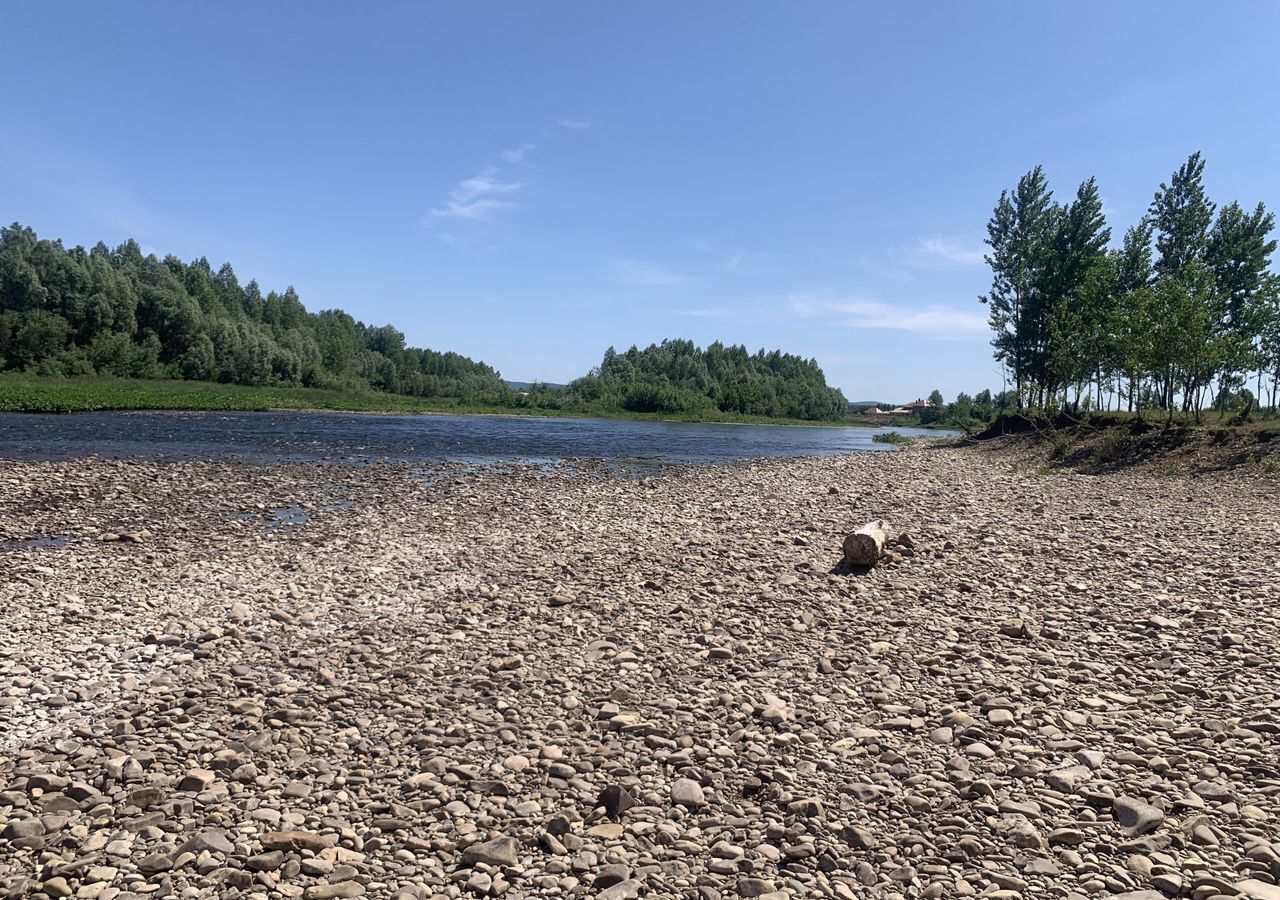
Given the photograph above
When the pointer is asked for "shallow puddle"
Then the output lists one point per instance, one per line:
(287, 517)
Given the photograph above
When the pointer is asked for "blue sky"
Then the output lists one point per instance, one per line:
(528, 183)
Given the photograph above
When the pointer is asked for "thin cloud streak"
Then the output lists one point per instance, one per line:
(477, 198)
(933, 320)
(952, 250)
(517, 154)
(864, 313)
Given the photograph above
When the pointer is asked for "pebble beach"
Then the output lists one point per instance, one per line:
(403, 681)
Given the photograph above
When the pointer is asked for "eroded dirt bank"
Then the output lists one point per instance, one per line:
(558, 683)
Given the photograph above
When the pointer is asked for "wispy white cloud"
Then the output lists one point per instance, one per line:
(826, 311)
(482, 195)
(857, 312)
(517, 154)
(478, 197)
(952, 250)
(647, 274)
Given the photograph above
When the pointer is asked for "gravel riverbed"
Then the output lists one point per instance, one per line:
(406, 682)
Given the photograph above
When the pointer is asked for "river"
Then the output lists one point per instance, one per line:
(360, 438)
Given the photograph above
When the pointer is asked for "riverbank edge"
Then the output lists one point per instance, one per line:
(1103, 444)
(27, 395)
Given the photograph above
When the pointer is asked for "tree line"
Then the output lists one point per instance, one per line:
(66, 312)
(678, 377)
(120, 312)
(1184, 313)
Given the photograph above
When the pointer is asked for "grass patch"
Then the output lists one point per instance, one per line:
(1060, 444)
(1114, 446)
(1027, 467)
(1168, 468)
(29, 394)
(23, 393)
(893, 437)
(1266, 465)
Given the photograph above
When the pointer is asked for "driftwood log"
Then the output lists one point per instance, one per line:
(864, 547)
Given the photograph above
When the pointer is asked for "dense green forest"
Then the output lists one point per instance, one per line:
(678, 377)
(117, 312)
(1183, 314)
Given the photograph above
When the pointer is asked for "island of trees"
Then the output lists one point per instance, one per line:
(1183, 314)
(678, 377)
(122, 313)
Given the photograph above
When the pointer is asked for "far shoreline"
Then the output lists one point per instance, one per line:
(34, 395)
(939, 430)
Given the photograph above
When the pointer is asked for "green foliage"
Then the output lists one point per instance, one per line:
(119, 313)
(1070, 315)
(1059, 445)
(893, 437)
(27, 393)
(20, 392)
(677, 377)
(1114, 446)
(1266, 465)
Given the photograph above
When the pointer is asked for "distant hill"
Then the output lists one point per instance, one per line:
(864, 404)
(527, 385)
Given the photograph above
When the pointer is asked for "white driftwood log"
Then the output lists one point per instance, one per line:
(865, 546)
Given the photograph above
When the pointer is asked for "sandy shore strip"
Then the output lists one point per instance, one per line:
(414, 682)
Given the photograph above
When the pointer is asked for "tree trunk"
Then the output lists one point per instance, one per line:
(863, 548)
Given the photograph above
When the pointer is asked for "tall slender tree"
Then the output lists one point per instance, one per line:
(1076, 294)
(1182, 325)
(1018, 235)
(1238, 252)
(1133, 274)
(1181, 213)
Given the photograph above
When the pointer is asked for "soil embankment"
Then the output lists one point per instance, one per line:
(1109, 443)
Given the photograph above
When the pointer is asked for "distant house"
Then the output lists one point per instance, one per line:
(909, 409)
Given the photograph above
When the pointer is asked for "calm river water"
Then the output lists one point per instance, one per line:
(337, 437)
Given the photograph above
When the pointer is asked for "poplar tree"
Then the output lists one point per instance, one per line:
(1133, 274)
(1018, 234)
(1238, 252)
(1181, 214)
(1077, 294)
(1068, 312)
